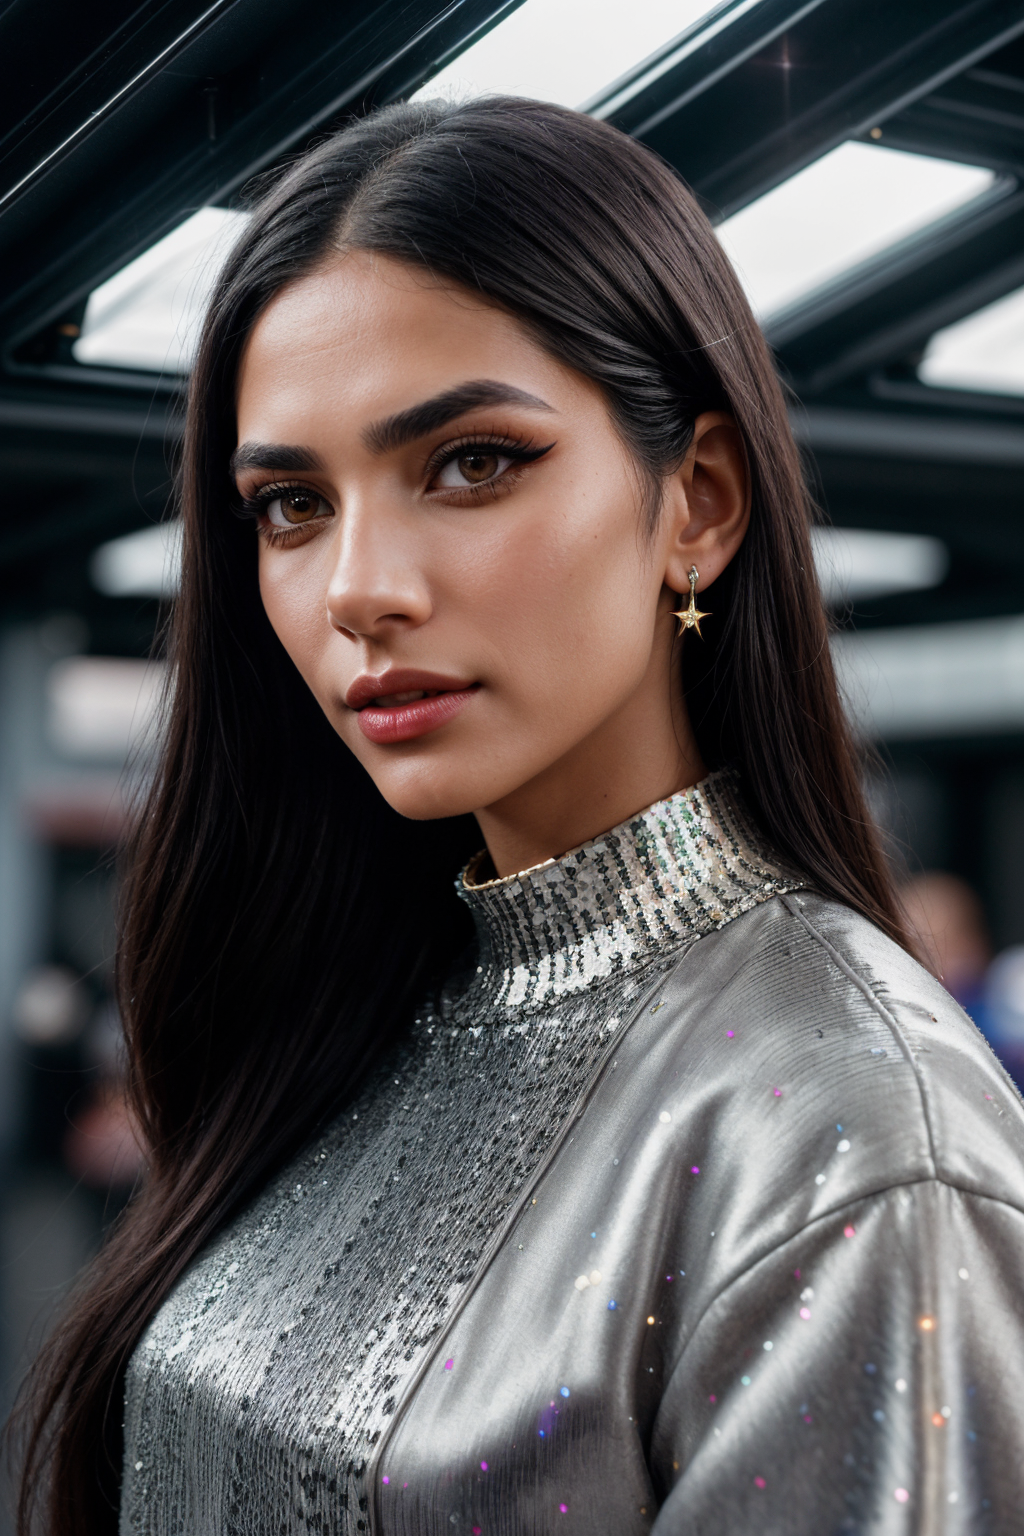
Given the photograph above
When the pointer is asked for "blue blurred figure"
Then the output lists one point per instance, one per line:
(948, 921)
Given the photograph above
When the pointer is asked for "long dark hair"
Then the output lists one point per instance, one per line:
(278, 917)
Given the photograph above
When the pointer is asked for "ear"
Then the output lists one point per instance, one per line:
(706, 509)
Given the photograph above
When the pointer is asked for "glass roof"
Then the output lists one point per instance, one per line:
(984, 352)
(855, 563)
(542, 50)
(851, 204)
(148, 315)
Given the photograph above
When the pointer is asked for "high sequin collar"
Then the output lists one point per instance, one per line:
(679, 869)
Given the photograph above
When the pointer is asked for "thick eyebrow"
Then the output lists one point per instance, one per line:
(285, 457)
(395, 431)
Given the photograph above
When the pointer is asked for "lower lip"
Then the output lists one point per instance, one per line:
(404, 722)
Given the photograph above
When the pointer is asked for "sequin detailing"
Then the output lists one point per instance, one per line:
(257, 1394)
(681, 868)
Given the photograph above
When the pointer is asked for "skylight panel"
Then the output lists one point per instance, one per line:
(857, 563)
(984, 352)
(146, 563)
(149, 314)
(853, 203)
(557, 50)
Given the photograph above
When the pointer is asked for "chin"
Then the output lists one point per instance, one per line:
(431, 797)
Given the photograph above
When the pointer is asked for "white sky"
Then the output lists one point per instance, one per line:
(564, 50)
(984, 352)
(148, 315)
(847, 206)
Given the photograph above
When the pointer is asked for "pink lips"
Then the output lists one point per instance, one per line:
(385, 717)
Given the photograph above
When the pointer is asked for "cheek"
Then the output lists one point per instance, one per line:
(571, 602)
(294, 598)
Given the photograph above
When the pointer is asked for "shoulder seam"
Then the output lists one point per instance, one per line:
(835, 1214)
(887, 1018)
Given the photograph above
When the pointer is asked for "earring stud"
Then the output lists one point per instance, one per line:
(689, 618)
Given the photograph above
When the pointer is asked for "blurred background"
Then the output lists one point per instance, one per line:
(864, 165)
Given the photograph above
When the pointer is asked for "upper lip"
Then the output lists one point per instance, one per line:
(401, 680)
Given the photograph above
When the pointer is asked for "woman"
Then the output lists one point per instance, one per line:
(679, 1198)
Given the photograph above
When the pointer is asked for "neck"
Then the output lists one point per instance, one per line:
(679, 869)
(643, 753)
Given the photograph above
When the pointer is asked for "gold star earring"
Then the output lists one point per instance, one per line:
(689, 618)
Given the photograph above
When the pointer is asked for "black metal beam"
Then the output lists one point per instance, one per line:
(739, 108)
(254, 82)
(888, 308)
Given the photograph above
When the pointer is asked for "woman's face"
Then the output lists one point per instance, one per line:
(452, 548)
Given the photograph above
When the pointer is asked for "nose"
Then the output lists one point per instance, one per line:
(376, 583)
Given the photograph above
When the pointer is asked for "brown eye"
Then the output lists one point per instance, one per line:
(290, 509)
(299, 506)
(476, 467)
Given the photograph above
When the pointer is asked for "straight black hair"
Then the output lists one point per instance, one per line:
(278, 917)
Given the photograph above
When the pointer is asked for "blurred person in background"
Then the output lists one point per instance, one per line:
(949, 923)
(947, 918)
(644, 1181)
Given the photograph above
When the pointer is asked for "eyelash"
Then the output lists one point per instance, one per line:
(521, 453)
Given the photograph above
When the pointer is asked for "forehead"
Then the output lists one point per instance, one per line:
(369, 334)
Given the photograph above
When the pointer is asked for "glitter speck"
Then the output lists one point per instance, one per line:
(138, 1466)
(564, 1391)
(878, 1416)
(448, 1364)
(819, 1178)
(768, 1344)
(807, 1294)
(938, 1421)
(664, 1117)
(729, 1034)
(901, 1495)
(952, 1498)
(712, 1398)
(850, 1231)
(564, 1508)
(901, 1385)
(744, 1381)
(759, 1482)
(876, 1050)
(963, 1274)
(805, 1313)
(945, 1411)
(844, 1146)
(483, 1466)
(650, 1319)
(582, 1283)
(695, 1169)
(612, 1305)
(777, 1092)
(595, 1277)
(927, 1324)
(385, 1481)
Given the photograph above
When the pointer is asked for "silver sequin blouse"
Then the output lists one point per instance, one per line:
(258, 1392)
(699, 1207)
